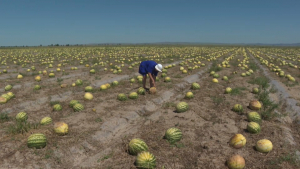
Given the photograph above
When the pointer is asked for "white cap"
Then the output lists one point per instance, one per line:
(159, 67)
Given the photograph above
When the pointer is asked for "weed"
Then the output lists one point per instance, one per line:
(269, 106)
(261, 81)
(48, 154)
(52, 103)
(34, 73)
(217, 100)
(21, 127)
(98, 120)
(106, 157)
(4, 117)
(290, 158)
(178, 145)
(178, 76)
(214, 67)
(168, 105)
(237, 90)
(253, 66)
(59, 80)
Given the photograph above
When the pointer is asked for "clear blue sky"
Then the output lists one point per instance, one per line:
(35, 22)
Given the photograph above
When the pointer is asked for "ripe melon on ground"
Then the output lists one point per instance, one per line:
(264, 146)
(22, 116)
(255, 105)
(46, 120)
(253, 127)
(173, 135)
(236, 162)
(37, 141)
(237, 141)
(195, 86)
(122, 97)
(254, 116)
(61, 128)
(133, 95)
(145, 160)
(182, 107)
(136, 146)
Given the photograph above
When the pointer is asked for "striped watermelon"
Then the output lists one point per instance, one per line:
(141, 91)
(182, 107)
(253, 127)
(73, 102)
(8, 87)
(46, 120)
(37, 141)
(133, 95)
(136, 146)
(254, 116)
(57, 107)
(195, 86)
(173, 135)
(22, 116)
(145, 160)
(122, 97)
(78, 107)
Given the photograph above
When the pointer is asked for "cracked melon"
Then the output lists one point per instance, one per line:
(237, 141)
(61, 128)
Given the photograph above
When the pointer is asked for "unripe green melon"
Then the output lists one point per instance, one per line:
(88, 89)
(78, 107)
(237, 108)
(122, 97)
(37, 141)
(195, 86)
(141, 91)
(173, 135)
(182, 107)
(136, 146)
(22, 116)
(73, 102)
(78, 82)
(8, 87)
(253, 127)
(37, 87)
(57, 107)
(254, 116)
(46, 120)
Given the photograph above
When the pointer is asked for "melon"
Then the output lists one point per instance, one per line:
(184, 71)
(141, 91)
(78, 107)
(88, 96)
(107, 85)
(236, 162)
(173, 135)
(2, 100)
(8, 88)
(228, 90)
(122, 97)
(163, 75)
(254, 116)
(215, 80)
(216, 75)
(133, 95)
(195, 86)
(189, 95)
(63, 85)
(19, 76)
(264, 146)
(243, 74)
(38, 78)
(182, 107)
(145, 160)
(78, 82)
(88, 89)
(11, 95)
(103, 87)
(115, 83)
(254, 105)
(92, 71)
(237, 141)
(167, 79)
(51, 75)
(37, 140)
(73, 102)
(61, 128)
(136, 146)
(46, 120)
(212, 72)
(237, 108)
(152, 90)
(22, 116)
(57, 107)
(255, 90)
(253, 127)
(37, 87)
(225, 78)
(132, 80)
(6, 96)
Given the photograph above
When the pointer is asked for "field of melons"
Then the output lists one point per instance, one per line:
(214, 107)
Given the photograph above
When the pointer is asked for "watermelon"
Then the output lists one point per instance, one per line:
(103, 87)
(122, 97)
(236, 162)
(61, 128)
(189, 95)
(88, 89)
(3, 100)
(78, 107)
(152, 90)
(237, 141)
(145, 160)
(73, 102)
(133, 95)
(264, 146)
(57, 107)
(78, 82)
(37, 87)
(253, 127)
(115, 83)
(8, 88)
(46, 120)
(51, 75)
(237, 108)
(255, 105)
(167, 79)
(182, 107)
(141, 91)
(195, 86)
(173, 135)
(37, 141)
(136, 146)
(254, 116)
(22, 116)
